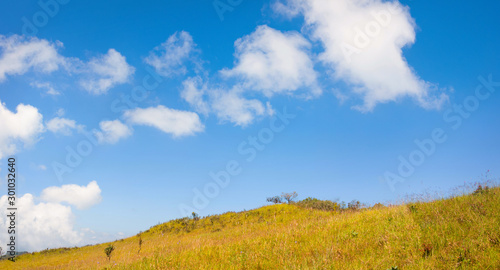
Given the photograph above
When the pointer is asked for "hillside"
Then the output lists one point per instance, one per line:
(462, 232)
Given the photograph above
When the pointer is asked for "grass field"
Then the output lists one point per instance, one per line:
(461, 232)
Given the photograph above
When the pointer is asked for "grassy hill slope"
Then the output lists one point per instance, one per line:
(456, 233)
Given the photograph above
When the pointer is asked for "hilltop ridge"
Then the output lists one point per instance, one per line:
(451, 233)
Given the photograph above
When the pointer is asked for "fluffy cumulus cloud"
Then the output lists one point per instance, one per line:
(47, 222)
(19, 55)
(274, 62)
(22, 127)
(43, 225)
(62, 126)
(112, 131)
(363, 41)
(169, 58)
(105, 72)
(82, 197)
(175, 122)
(267, 61)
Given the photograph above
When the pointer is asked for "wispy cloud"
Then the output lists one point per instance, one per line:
(229, 105)
(20, 54)
(64, 126)
(169, 59)
(50, 90)
(171, 121)
(112, 131)
(104, 72)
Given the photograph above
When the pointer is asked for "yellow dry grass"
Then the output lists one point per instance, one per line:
(462, 232)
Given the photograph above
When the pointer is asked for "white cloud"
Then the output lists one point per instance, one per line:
(50, 224)
(62, 126)
(82, 197)
(193, 92)
(47, 86)
(168, 59)
(363, 41)
(19, 55)
(22, 127)
(274, 62)
(112, 131)
(106, 72)
(60, 112)
(42, 225)
(231, 106)
(227, 105)
(267, 61)
(178, 123)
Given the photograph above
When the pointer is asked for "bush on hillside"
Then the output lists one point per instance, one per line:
(109, 251)
(284, 198)
(313, 203)
(481, 190)
(354, 205)
(275, 199)
(378, 206)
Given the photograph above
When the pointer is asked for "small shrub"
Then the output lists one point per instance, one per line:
(275, 199)
(464, 257)
(324, 205)
(481, 190)
(378, 206)
(285, 197)
(108, 251)
(426, 250)
(342, 205)
(140, 244)
(354, 205)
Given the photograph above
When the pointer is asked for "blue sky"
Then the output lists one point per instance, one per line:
(361, 87)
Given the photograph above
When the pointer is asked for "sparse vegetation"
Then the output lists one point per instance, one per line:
(109, 250)
(140, 244)
(481, 190)
(284, 198)
(275, 199)
(460, 232)
(289, 197)
(354, 205)
(324, 205)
